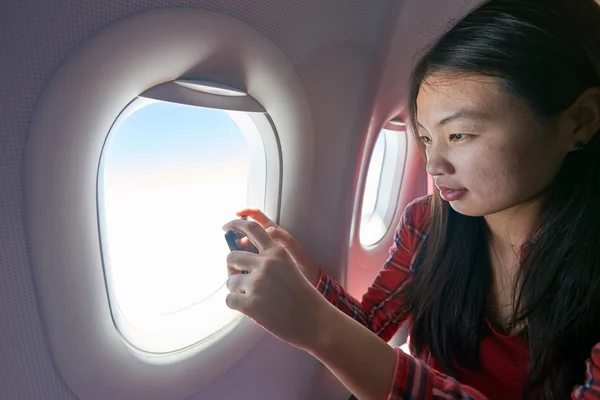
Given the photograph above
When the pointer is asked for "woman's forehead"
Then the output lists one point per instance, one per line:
(446, 97)
(470, 90)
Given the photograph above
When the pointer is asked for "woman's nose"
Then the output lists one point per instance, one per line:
(437, 162)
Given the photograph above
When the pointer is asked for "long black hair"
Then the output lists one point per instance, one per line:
(548, 53)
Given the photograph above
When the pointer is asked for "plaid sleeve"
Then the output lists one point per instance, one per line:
(415, 380)
(380, 308)
(590, 390)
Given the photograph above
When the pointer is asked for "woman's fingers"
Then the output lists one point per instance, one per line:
(274, 293)
(239, 262)
(257, 216)
(237, 283)
(255, 233)
(236, 301)
(244, 244)
(280, 236)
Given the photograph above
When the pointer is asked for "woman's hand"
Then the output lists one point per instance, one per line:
(274, 293)
(278, 297)
(282, 237)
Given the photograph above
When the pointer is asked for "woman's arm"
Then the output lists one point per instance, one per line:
(359, 359)
(372, 370)
(381, 306)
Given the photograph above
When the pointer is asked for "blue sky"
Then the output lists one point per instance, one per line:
(174, 135)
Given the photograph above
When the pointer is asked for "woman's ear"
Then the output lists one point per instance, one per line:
(584, 118)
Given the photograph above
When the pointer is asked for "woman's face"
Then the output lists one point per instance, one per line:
(485, 149)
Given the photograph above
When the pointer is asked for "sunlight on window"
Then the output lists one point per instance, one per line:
(382, 188)
(171, 176)
(371, 226)
(373, 178)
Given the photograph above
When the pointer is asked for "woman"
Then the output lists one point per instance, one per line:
(498, 271)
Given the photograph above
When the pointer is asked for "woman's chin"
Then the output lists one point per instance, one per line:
(466, 207)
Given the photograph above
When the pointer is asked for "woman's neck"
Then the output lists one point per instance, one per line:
(511, 228)
(508, 230)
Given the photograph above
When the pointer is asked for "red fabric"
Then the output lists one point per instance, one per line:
(504, 367)
(504, 359)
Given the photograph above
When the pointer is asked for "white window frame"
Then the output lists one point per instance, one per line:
(69, 128)
(262, 190)
(365, 262)
(390, 182)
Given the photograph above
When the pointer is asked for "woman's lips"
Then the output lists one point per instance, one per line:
(451, 194)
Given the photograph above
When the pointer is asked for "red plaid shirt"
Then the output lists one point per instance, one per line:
(379, 311)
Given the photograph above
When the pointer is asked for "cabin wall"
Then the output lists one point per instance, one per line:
(338, 48)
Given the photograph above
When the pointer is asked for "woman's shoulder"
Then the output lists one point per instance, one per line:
(418, 212)
(411, 232)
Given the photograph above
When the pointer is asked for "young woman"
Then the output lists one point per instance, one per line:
(498, 272)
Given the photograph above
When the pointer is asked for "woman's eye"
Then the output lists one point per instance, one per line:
(458, 136)
(424, 139)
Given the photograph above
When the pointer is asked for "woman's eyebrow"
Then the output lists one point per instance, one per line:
(462, 114)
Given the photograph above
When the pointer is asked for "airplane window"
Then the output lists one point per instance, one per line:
(382, 186)
(170, 176)
(373, 178)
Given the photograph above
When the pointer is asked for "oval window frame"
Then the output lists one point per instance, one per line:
(389, 185)
(66, 137)
(263, 185)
